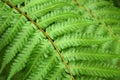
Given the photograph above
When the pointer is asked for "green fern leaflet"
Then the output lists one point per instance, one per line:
(59, 40)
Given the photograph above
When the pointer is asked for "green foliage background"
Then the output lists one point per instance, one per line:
(59, 39)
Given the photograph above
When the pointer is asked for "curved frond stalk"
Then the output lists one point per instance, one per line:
(45, 34)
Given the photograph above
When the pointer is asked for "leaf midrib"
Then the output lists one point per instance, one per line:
(44, 33)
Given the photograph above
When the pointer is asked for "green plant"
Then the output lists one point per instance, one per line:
(59, 40)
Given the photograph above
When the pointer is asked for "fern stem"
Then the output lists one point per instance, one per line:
(45, 34)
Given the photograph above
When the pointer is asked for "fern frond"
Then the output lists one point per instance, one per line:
(24, 55)
(56, 73)
(71, 25)
(5, 18)
(18, 43)
(78, 39)
(56, 16)
(95, 69)
(16, 2)
(91, 54)
(11, 32)
(40, 10)
(101, 10)
(43, 66)
(59, 40)
(84, 77)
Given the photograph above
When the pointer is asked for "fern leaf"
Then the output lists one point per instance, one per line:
(71, 25)
(99, 69)
(40, 10)
(24, 55)
(56, 16)
(11, 32)
(59, 40)
(75, 54)
(44, 67)
(80, 40)
(18, 44)
(56, 72)
(5, 18)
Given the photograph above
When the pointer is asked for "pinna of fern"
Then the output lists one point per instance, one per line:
(59, 40)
